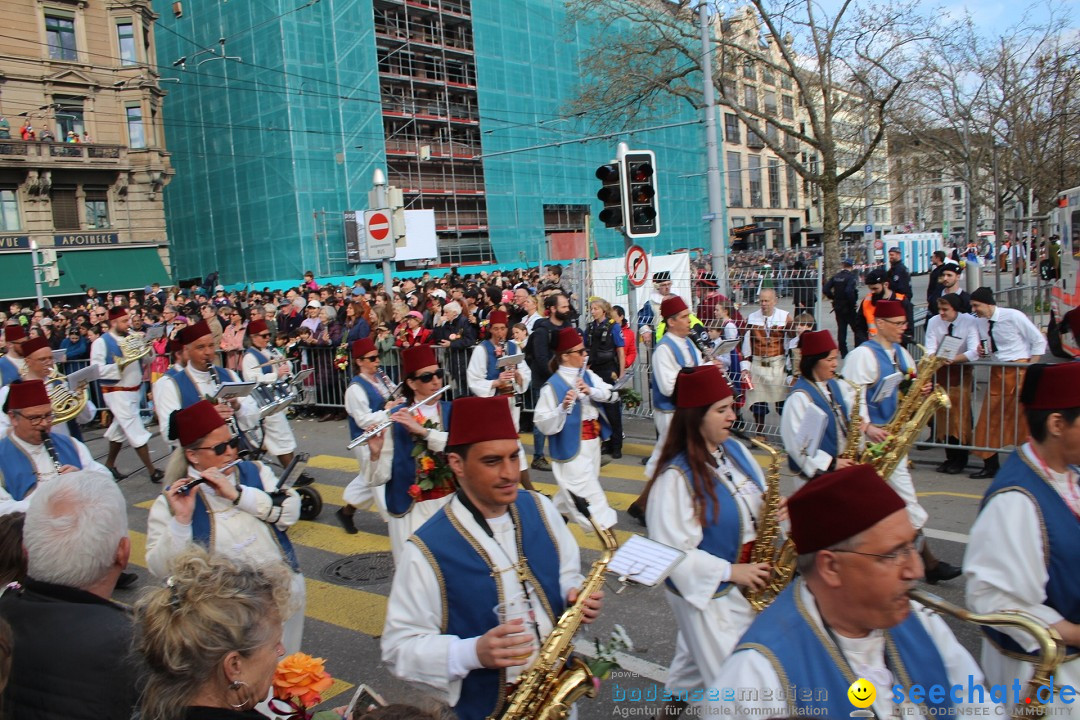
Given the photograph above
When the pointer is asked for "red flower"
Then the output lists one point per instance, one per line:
(415, 491)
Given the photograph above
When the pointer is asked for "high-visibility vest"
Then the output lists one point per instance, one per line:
(869, 314)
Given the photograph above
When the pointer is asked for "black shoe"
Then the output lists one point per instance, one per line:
(157, 476)
(956, 468)
(346, 521)
(986, 472)
(117, 475)
(616, 454)
(942, 572)
(944, 467)
(540, 463)
(644, 461)
(126, 580)
(636, 512)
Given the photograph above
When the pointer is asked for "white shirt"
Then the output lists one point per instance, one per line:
(435, 441)
(1015, 336)
(530, 320)
(665, 365)
(861, 366)
(358, 406)
(45, 468)
(965, 327)
(130, 376)
(413, 646)
(550, 415)
(476, 374)
(252, 368)
(167, 399)
(791, 421)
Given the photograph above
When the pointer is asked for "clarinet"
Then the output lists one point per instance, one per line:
(47, 443)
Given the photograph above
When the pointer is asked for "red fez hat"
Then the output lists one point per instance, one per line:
(817, 342)
(416, 358)
(1072, 322)
(33, 345)
(362, 347)
(26, 393)
(478, 419)
(672, 306)
(117, 312)
(498, 317)
(568, 339)
(701, 386)
(889, 309)
(1051, 387)
(256, 326)
(14, 332)
(192, 333)
(839, 505)
(194, 422)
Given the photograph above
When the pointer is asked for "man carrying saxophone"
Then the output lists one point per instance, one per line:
(880, 366)
(500, 603)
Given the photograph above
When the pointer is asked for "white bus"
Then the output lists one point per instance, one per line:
(1065, 295)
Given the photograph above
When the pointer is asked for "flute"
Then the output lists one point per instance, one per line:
(190, 484)
(363, 439)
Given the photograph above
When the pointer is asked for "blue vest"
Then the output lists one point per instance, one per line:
(189, 394)
(375, 401)
(830, 442)
(492, 368)
(9, 371)
(472, 588)
(18, 473)
(403, 470)
(882, 412)
(202, 522)
(263, 361)
(112, 351)
(1060, 540)
(792, 642)
(722, 530)
(566, 444)
(666, 403)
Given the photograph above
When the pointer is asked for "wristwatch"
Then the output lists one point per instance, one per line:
(239, 491)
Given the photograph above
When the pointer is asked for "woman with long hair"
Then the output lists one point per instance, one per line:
(356, 325)
(607, 358)
(706, 500)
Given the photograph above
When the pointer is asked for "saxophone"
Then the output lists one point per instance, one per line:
(1051, 646)
(854, 428)
(770, 546)
(548, 689)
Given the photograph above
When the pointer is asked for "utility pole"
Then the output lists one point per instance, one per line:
(868, 237)
(380, 199)
(34, 261)
(999, 224)
(714, 175)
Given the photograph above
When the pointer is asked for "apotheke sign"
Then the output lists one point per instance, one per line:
(86, 240)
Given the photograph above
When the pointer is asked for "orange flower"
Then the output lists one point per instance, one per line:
(427, 463)
(415, 492)
(301, 678)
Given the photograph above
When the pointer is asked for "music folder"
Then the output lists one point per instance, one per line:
(231, 390)
(86, 375)
(644, 561)
(509, 361)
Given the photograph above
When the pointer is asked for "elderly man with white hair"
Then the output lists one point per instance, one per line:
(73, 645)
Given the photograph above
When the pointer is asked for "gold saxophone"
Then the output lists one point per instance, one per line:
(854, 428)
(912, 414)
(548, 689)
(1051, 646)
(770, 546)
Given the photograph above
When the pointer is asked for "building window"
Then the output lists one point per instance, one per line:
(958, 192)
(788, 106)
(785, 82)
(731, 128)
(754, 171)
(769, 100)
(767, 76)
(958, 212)
(792, 188)
(734, 174)
(750, 97)
(774, 184)
(748, 70)
(65, 208)
(125, 39)
(935, 194)
(97, 208)
(9, 210)
(136, 130)
(69, 117)
(60, 34)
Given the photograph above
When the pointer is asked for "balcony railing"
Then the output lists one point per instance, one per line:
(40, 152)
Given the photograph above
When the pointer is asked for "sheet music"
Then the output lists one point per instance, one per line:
(725, 347)
(510, 360)
(59, 355)
(644, 561)
(87, 375)
(949, 347)
(625, 380)
(811, 430)
(888, 386)
(230, 390)
(302, 376)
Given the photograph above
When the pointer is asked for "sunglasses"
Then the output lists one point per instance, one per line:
(376, 357)
(221, 447)
(265, 334)
(428, 376)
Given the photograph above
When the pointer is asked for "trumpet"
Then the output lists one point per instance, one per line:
(366, 437)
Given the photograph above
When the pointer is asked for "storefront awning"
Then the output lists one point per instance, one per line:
(121, 268)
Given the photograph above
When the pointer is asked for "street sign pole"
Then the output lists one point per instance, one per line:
(382, 202)
(37, 273)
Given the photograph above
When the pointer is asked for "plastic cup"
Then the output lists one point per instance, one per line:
(519, 608)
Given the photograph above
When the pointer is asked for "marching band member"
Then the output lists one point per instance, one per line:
(763, 352)
(12, 363)
(847, 615)
(39, 365)
(278, 437)
(485, 379)
(25, 458)
(411, 468)
(1008, 336)
(953, 424)
(494, 544)
(237, 511)
(1024, 550)
(197, 379)
(706, 500)
(120, 389)
(869, 366)
(817, 385)
(365, 403)
(567, 412)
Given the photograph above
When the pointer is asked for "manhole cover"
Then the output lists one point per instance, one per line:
(360, 570)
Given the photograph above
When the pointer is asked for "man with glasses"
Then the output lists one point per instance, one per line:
(121, 388)
(12, 363)
(650, 311)
(278, 437)
(25, 458)
(878, 367)
(39, 366)
(848, 616)
(236, 511)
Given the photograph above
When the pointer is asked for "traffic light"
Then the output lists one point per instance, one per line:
(611, 194)
(642, 212)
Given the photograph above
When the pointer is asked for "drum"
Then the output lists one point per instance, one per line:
(274, 397)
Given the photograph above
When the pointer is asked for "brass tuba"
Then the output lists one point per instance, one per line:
(1051, 646)
(66, 405)
(771, 546)
(134, 347)
(548, 689)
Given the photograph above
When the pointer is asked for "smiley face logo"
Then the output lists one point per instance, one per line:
(862, 693)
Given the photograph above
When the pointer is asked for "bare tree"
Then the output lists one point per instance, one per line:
(846, 67)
